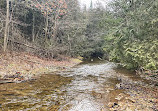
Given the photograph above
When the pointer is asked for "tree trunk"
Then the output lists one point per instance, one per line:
(55, 28)
(33, 28)
(69, 42)
(6, 28)
(46, 26)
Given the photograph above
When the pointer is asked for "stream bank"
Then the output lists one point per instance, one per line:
(19, 67)
(137, 94)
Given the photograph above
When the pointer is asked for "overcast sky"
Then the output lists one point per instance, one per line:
(88, 2)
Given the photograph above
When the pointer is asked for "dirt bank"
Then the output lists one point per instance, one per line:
(16, 67)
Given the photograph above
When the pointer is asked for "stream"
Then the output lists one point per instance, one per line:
(89, 86)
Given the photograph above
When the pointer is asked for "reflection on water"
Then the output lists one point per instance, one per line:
(83, 88)
(41, 94)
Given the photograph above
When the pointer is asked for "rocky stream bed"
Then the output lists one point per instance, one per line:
(89, 86)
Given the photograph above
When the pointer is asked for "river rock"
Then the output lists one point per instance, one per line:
(118, 86)
(129, 109)
(120, 96)
(110, 104)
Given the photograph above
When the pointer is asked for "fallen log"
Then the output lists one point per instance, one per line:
(6, 81)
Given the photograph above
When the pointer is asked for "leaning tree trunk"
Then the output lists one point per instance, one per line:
(6, 27)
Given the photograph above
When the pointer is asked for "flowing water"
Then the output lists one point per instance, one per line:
(86, 87)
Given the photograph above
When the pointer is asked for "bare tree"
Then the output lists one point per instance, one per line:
(6, 27)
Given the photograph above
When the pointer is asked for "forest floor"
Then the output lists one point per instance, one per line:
(17, 67)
